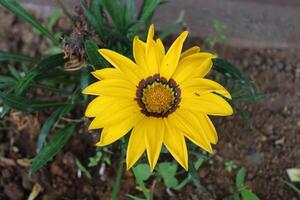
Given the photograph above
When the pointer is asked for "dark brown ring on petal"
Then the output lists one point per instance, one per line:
(170, 85)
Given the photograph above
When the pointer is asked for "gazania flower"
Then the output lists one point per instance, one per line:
(162, 97)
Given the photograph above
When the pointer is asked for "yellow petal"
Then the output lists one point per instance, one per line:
(175, 143)
(106, 103)
(136, 145)
(150, 33)
(195, 65)
(152, 59)
(124, 64)
(113, 133)
(107, 73)
(199, 86)
(211, 104)
(208, 127)
(153, 139)
(112, 87)
(171, 59)
(160, 51)
(139, 54)
(190, 51)
(114, 115)
(189, 124)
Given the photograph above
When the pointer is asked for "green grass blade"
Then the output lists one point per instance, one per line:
(116, 12)
(240, 177)
(148, 9)
(18, 10)
(94, 18)
(56, 143)
(50, 122)
(27, 105)
(7, 56)
(6, 79)
(194, 174)
(94, 57)
(292, 186)
(50, 62)
(248, 195)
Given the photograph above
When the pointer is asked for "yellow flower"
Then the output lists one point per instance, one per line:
(162, 97)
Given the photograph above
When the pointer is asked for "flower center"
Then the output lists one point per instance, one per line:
(157, 97)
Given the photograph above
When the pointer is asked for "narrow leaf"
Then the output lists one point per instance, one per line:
(194, 174)
(49, 123)
(94, 18)
(248, 195)
(7, 56)
(148, 9)
(56, 143)
(83, 169)
(240, 177)
(94, 57)
(28, 105)
(50, 62)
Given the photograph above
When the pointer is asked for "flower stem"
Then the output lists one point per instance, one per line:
(116, 188)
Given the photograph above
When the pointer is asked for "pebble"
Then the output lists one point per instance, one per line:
(280, 65)
(13, 191)
(298, 73)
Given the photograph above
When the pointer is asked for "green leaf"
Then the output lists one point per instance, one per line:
(248, 195)
(56, 143)
(245, 115)
(6, 79)
(142, 172)
(149, 7)
(94, 56)
(53, 19)
(94, 160)
(240, 177)
(18, 10)
(28, 105)
(226, 68)
(13, 71)
(50, 122)
(94, 17)
(134, 197)
(292, 186)
(50, 62)
(234, 197)
(115, 11)
(252, 98)
(7, 56)
(168, 172)
(24, 82)
(194, 174)
(83, 169)
(129, 11)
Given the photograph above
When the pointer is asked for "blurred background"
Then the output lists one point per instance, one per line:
(261, 37)
(257, 23)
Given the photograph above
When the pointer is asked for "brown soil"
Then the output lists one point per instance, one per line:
(266, 148)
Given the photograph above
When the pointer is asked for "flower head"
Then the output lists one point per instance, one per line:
(162, 97)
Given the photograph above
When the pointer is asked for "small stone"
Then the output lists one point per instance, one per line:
(298, 73)
(269, 129)
(280, 65)
(13, 191)
(280, 141)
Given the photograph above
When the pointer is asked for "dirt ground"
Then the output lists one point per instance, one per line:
(267, 147)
